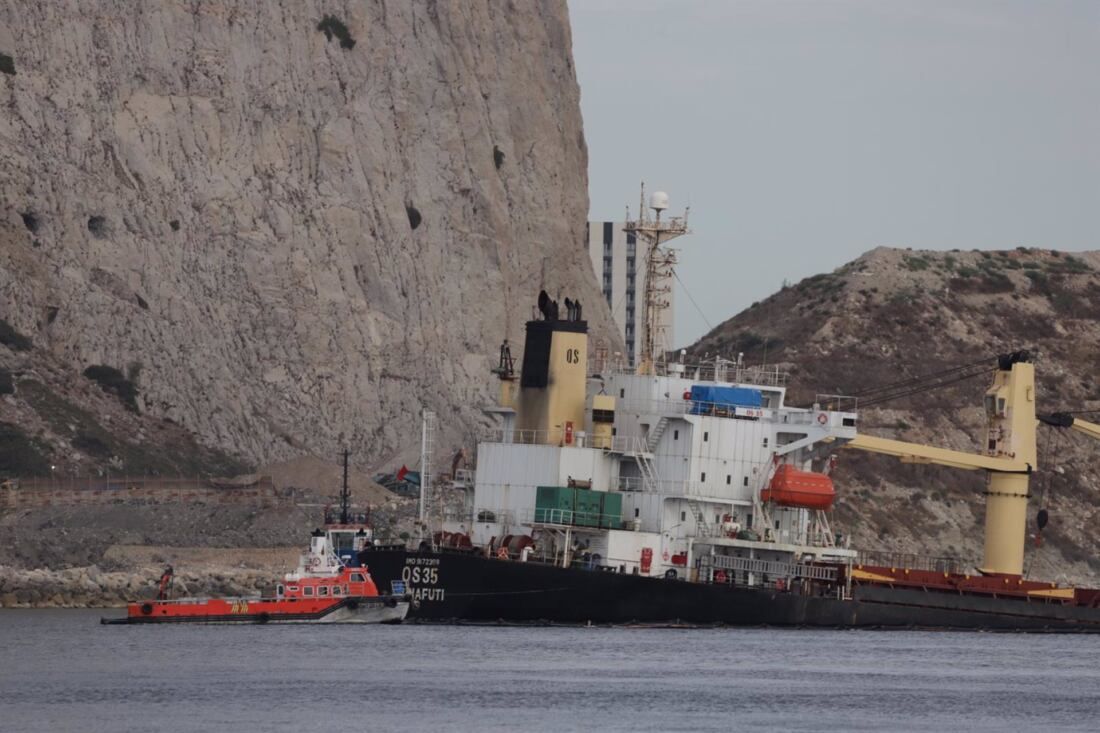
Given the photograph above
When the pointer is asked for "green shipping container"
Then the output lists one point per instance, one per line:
(588, 508)
(555, 504)
(611, 511)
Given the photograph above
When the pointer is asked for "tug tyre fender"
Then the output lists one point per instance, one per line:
(670, 574)
(353, 604)
(146, 609)
(391, 602)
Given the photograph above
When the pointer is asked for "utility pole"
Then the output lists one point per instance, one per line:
(345, 494)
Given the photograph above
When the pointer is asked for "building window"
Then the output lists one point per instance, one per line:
(622, 393)
(777, 524)
(765, 442)
(728, 479)
(683, 516)
(637, 512)
(675, 434)
(608, 233)
(746, 481)
(706, 436)
(704, 478)
(717, 518)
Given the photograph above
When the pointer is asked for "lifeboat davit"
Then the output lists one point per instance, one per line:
(802, 489)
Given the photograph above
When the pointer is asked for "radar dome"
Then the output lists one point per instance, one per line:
(658, 200)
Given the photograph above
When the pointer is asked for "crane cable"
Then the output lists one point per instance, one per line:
(921, 378)
(920, 388)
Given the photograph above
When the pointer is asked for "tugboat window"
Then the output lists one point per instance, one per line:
(323, 590)
(337, 591)
(280, 590)
(307, 590)
(357, 578)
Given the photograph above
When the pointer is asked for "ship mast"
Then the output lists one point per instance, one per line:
(660, 264)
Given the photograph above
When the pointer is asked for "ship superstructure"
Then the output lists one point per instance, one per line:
(685, 470)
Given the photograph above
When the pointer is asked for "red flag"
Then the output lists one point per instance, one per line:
(401, 472)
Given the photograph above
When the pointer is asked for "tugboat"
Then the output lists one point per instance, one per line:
(679, 493)
(330, 585)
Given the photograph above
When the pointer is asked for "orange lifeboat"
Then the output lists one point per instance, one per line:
(802, 489)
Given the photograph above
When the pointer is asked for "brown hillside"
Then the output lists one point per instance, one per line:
(892, 314)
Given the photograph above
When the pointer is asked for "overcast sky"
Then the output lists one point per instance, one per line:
(805, 133)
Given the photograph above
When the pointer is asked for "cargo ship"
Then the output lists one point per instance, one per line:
(677, 493)
(329, 586)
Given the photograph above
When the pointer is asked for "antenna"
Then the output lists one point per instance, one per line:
(660, 268)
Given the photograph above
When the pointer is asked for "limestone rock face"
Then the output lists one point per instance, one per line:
(303, 237)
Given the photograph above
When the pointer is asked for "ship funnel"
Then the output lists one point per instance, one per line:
(551, 404)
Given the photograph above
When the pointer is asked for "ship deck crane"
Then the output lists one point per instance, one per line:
(1009, 458)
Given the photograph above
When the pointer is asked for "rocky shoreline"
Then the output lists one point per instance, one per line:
(91, 587)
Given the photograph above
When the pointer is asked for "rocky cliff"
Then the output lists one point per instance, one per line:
(894, 314)
(287, 225)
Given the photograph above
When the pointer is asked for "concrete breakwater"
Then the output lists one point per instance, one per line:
(91, 587)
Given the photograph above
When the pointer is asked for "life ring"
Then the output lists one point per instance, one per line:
(822, 418)
(314, 562)
(502, 552)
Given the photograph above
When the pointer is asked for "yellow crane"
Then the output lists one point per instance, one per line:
(1009, 457)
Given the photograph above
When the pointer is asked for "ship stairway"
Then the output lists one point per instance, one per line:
(650, 480)
(702, 527)
(655, 433)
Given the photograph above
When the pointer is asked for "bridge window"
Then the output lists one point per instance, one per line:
(307, 590)
(322, 590)
(358, 578)
(337, 590)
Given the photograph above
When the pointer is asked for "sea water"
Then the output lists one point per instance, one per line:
(62, 671)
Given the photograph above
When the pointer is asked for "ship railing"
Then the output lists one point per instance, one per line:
(682, 407)
(720, 371)
(550, 517)
(910, 561)
(738, 569)
(563, 438)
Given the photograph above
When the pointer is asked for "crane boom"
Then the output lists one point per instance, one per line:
(1067, 420)
(917, 453)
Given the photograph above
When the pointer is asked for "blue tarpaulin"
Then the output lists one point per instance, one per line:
(706, 399)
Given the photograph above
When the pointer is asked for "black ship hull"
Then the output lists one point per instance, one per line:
(451, 586)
